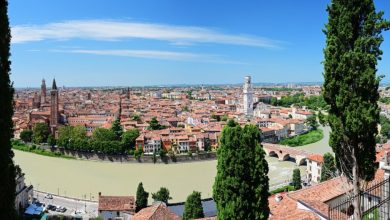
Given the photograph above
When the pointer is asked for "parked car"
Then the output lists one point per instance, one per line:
(49, 196)
(51, 207)
(60, 209)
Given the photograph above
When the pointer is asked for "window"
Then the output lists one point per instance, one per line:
(117, 213)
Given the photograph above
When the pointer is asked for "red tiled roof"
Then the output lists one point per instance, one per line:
(158, 211)
(117, 203)
(316, 157)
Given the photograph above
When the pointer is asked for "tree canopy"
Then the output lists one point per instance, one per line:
(241, 186)
(162, 195)
(328, 169)
(193, 208)
(141, 198)
(7, 168)
(353, 39)
(296, 179)
(41, 132)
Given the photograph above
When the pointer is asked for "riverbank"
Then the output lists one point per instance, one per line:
(16, 145)
(71, 154)
(304, 139)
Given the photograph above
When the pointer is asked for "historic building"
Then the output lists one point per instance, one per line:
(54, 111)
(43, 92)
(248, 97)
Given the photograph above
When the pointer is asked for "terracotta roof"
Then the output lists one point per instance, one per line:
(117, 203)
(316, 157)
(287, 209)
(158, 211)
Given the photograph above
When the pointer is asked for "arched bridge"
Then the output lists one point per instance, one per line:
(286, 153)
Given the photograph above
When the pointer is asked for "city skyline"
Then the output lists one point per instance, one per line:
(135, 44)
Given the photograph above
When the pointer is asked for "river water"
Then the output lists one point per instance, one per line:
(76, 178)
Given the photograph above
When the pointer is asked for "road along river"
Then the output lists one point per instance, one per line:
(79, 178)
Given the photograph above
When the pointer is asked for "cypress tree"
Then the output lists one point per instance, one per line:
(241, 185)
(7, 168)
(117, 128)
(296, 181)
(193, 208)
(352, 52)
(328, 169)
(141, 198)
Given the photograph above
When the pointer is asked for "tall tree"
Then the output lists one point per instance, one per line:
(193, 208)
(154, 124)
(117, 128)
(129, 137)
(26, 135)
(296, 179)
(7, 167)
(353, 39)
(241, 185)
(328, 169)
(41, 132)
(141, 198)
(162, 195)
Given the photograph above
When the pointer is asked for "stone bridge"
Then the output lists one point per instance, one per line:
(286, 153)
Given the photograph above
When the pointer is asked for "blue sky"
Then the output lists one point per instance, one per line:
(154, 42)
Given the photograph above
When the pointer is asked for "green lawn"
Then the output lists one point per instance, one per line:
(17, 145)
(304, 139)
(282, 189)
(373, 215)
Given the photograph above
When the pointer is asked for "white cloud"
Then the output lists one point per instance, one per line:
(155, 54)
(121, 30)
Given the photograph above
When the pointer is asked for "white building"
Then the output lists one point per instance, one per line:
(314, 164)
(24, 194)
(116, 207)
(248, 97)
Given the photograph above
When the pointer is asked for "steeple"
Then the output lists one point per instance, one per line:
(43, 92)
(54, 86)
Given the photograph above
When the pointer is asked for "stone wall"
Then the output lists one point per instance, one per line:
(132, 159)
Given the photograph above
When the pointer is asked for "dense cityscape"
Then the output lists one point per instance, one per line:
(173, 114)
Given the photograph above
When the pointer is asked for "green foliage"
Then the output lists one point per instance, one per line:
(299, 99)
(185, 109)
(296, 179)
(26, 135)
(385, 126)
(39, 151)
(312, 122)
(117, 129)
(231, 123)
(79, 132)
(385, 100)
(136, 118)
(304, 139)
(129, 137)
(138, 153)
(216, 117)
(193, 208)
(283, 189)
(40, 133)
(328, 170)
(51, 140)
(103, 134)
(141, 198)
(155, 125)
(68, 133)
(7, 168)
(241, 186)
(353, 39)
(224, 118)
(323, 119)
(162, 195)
